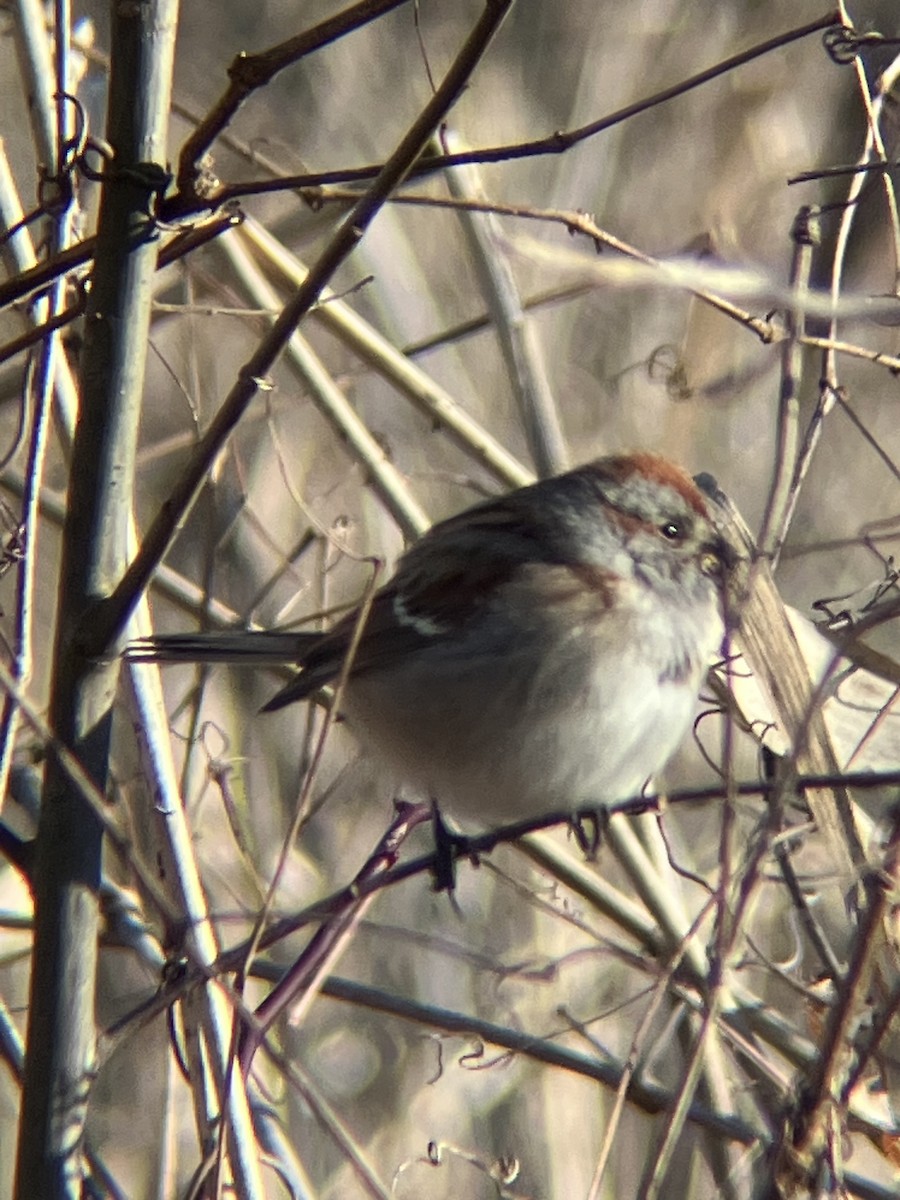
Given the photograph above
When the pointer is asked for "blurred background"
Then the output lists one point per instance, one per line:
(294, 515)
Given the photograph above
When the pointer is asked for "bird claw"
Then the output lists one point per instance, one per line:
(449, 847)
(588, 826)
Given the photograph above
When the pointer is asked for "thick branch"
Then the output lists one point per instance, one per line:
(61, 1036)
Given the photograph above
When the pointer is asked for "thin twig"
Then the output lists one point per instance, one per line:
(374, 348)
(556, 143)
(248, 72)
(385, 480)
(798, 1154)
(109, 622)
(173, 250)
(525, 365)
(805, 236)
(830, 387)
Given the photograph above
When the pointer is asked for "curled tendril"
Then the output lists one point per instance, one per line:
(56, 189)
(73, 147)
(666, 365)
(844, 44)
(104, 152)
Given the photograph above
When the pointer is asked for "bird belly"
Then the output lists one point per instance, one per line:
(520, 739)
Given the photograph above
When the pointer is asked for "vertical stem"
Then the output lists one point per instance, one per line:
(61, 1034)
(784, 491)
(162, 530)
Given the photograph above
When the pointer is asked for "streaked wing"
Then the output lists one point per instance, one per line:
(382, 639)
(441, 583)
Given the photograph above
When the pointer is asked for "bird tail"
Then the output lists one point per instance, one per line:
(236, 646)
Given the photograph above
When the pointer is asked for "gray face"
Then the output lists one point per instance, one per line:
(630, 523)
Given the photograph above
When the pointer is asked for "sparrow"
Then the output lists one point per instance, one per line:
(540, 651)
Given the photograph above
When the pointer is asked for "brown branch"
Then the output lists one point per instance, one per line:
(248, 72)
(105, 625)
(174, 250)
(481, 844)
(798, 1155)
(25, 282)
(555, 143)
(306, 976)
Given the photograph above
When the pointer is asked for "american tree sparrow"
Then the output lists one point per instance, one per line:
(539, 651)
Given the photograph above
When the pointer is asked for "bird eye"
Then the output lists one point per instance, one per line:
(672, 530)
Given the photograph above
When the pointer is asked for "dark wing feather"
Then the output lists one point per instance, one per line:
(382, 639)
(250, 647)
(441, 582)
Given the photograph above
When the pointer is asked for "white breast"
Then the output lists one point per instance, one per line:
(495, 737)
